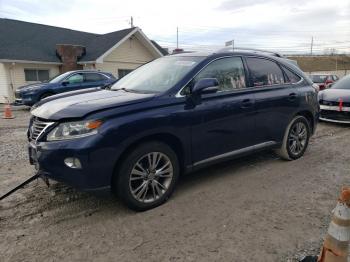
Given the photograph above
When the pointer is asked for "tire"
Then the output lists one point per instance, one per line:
(142, 184)
(296, 139)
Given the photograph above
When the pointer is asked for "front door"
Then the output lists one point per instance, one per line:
(73, 82)
(224, 121)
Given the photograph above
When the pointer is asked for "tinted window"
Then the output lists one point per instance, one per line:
(264, 72)
(93, 77)
(291, 77)
(76, 78)
(228, 71)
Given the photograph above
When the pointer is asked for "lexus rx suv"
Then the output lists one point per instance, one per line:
(69, 81)
(169, 117)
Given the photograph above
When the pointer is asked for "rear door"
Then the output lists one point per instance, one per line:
(224, 121)
(94, 80)
(276, 98)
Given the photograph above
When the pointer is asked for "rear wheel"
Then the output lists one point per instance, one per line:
(147, 176)
(296, 139)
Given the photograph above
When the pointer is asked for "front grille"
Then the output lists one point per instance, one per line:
(37, 127)
(335, 115)
(333, 103)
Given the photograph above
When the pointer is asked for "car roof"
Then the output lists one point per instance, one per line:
(244, 52)
(87, 71)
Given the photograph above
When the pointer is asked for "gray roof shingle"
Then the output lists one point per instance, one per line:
(21, 40)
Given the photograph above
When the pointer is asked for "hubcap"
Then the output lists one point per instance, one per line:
(151, 177)
(297, 138)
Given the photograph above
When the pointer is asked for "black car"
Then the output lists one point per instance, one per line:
(69, 81)
(335, 102)
(173, 115)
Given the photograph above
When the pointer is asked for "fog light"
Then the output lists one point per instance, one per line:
(73, 162)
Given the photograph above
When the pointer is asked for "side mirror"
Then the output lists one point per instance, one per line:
(65, 82)
(206, 86)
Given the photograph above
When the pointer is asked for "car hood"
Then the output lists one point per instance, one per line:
(333, 94)
(32, 86)
(79, 104)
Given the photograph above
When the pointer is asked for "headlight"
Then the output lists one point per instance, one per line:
(72, 130)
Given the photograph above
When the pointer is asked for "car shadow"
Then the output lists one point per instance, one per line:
(223, 169)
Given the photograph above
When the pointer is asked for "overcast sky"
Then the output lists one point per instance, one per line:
(283, 25)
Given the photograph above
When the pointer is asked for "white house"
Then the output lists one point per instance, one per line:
(32, 52)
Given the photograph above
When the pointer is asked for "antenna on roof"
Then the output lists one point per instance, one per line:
(131, 22)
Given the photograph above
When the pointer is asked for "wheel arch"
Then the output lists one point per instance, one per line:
(167, 138)
(309, 116)
(46, 92)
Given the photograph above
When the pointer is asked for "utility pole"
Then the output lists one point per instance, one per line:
(131, 22)
(312, 45)
(177, 37)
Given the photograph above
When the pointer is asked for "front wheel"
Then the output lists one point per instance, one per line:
(296, 139)
(147, 176)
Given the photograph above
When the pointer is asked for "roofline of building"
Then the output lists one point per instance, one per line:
(136, 29)
(29, 62)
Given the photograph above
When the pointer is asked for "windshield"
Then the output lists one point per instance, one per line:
(59, 78)
(159, 75)
(318, 78)
(343, 83)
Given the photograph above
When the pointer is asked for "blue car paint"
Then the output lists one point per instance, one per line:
(28, 96)
(221, 123)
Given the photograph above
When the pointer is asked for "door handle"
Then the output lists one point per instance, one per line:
(246, 103)
(292, 96)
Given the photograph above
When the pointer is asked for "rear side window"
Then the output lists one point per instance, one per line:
(92, 77)
(264, 72)
(292, 78)
(228, 71)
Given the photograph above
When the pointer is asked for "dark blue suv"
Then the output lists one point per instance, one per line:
(171, 116)
(69, 81)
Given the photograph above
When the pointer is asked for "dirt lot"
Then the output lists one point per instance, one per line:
(258, 208)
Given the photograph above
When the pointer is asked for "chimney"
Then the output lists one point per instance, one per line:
(69, 55)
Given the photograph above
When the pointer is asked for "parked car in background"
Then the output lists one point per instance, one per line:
(173, 115)
(335, 102)
(324, 81)
(69, 81)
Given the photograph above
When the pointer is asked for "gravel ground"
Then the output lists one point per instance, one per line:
(257, 208)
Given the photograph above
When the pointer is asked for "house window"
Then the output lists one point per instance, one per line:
(36, 75)
(123, 72)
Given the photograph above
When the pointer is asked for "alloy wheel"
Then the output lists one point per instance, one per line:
(151, 177)
(297, 138)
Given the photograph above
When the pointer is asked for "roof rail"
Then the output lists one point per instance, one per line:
(230, 49)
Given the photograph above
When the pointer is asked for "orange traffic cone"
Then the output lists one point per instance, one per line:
(8, 112)
(336, 243)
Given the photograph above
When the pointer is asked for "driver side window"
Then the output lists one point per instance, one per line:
(228, 71)
(74, 79)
